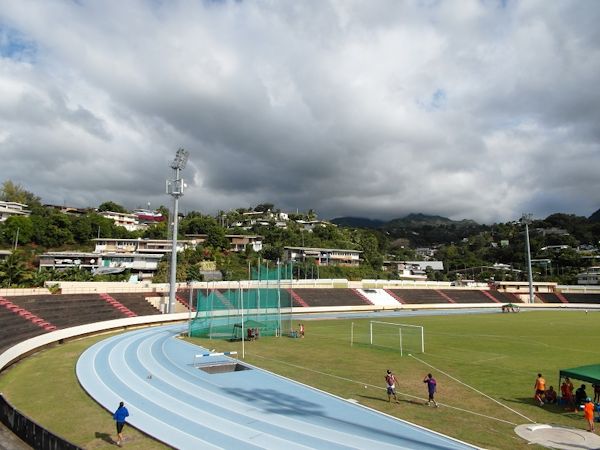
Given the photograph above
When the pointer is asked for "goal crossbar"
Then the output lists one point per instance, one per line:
(417, 328)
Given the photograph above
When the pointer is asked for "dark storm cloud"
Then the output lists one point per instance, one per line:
(478, 110)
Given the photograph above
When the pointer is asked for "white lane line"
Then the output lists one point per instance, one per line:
(474, 389)
(383, 389)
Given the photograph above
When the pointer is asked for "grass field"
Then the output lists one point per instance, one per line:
(485, 365)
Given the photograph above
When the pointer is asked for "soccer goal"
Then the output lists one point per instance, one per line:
(406, 338)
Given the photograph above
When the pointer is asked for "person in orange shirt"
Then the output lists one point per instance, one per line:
(540, 389)
(588, 413)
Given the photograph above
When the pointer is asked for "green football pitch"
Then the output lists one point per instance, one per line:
(485, 366)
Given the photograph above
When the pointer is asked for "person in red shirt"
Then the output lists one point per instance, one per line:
(588, 413)
(566, 391)
(390, 381)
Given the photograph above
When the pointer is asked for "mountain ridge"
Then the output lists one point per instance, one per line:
(408, 221)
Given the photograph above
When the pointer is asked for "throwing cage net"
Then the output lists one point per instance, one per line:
(249, 309)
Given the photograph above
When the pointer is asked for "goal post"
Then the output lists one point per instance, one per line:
(405, 337)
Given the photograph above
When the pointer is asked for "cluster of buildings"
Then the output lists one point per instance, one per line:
(142, 256)
(138, 256)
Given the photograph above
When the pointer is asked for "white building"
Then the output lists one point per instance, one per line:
(111, 255)
(309, 225)
(9, 209)
(590, 276)
(158, 246)
(237, 242)
(413, 270)
(4, 254)
(323, 256)
(143, 264)
(128, 221)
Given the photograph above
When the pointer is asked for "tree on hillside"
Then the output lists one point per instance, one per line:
(53, 231)
(12, 192)
(264, 207)
(199, 224)
(112, 206)
(16, 229)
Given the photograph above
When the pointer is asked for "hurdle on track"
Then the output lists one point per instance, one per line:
(203, 355)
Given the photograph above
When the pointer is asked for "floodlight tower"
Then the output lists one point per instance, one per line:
(175, 189)
(527, 219)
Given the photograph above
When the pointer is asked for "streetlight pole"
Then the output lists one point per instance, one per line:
(175, 189)
(527, 219)
(190, 285)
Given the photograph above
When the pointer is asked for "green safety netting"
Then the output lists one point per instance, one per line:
(273, 272)
(227, 312)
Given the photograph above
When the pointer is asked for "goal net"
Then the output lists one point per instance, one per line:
(406, 338)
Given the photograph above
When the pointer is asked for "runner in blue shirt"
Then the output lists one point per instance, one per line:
(120, 414)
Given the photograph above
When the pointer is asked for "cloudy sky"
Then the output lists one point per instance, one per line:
(475, 109)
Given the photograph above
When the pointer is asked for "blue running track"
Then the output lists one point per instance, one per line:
(170, 398)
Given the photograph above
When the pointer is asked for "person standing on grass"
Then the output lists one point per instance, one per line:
(540, 389)
(431, 388)
(566, 390)
(390, 381)
(580, 396)
(301, 330)
(588, 412)
(120, 414)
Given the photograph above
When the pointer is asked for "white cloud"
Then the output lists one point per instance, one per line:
(476, 110)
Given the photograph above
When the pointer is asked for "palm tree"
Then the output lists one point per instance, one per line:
(12, 270)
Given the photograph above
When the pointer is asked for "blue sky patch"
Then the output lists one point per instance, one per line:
(15, 45)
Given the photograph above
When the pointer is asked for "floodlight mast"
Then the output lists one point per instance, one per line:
(175, 189)
(527, 219)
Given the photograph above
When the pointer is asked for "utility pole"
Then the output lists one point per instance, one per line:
(527, 219)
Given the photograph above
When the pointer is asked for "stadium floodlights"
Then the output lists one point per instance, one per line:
(407, 338)
(180, 160)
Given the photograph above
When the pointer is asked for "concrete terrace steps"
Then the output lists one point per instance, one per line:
(490, 296)
(394, 295)
(331, 297)
(183, 301)
(296, 297)
(363, 297)
(416, 296)
(223, 299)
(447, 297)
(26, 314)
(117, 305)
(138, 302)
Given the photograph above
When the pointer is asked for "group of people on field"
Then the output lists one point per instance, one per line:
(252, 334)
(574, 400)
(390, 381)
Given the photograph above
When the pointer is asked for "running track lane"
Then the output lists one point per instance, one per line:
(153, 373)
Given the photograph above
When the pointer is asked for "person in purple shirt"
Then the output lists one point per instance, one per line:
(120, 414)
(431, 388)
